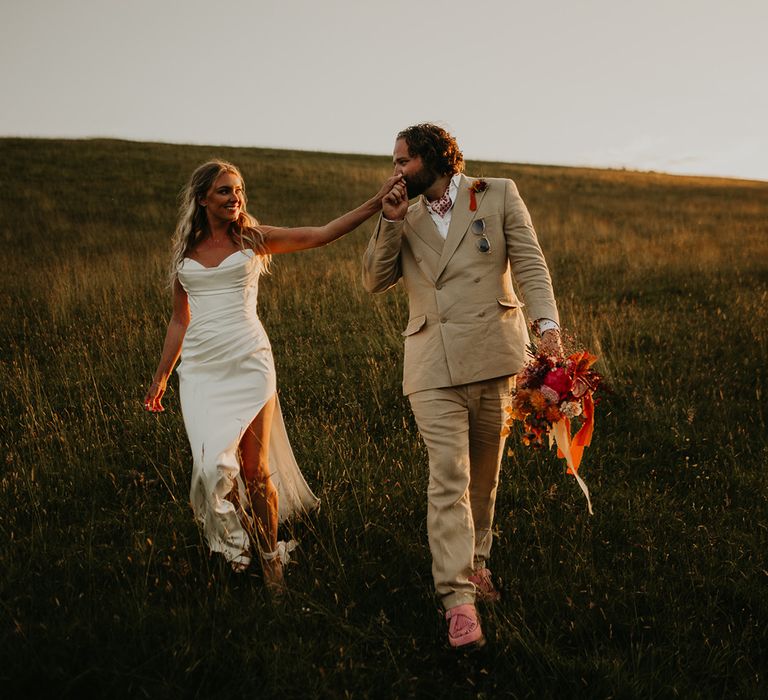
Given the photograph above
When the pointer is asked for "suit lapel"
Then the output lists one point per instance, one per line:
(461, 218)
(422, 225)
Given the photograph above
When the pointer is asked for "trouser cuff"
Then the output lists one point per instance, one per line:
(461, 598)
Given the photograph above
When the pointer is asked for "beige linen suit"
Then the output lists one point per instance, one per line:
(465, 339)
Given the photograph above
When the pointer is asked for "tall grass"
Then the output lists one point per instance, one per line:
(106, 585)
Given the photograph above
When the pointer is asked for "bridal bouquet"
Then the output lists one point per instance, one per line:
(550, 394)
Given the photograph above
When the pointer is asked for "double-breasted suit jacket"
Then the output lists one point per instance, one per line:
(466, 322)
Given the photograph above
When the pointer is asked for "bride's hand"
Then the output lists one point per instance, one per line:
(152, 400)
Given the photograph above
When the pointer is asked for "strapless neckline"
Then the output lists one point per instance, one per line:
(215, 267)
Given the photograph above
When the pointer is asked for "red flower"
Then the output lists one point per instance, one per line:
(477, 186)
(559, 380)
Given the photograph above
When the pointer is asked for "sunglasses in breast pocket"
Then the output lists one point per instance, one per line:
(478, 228)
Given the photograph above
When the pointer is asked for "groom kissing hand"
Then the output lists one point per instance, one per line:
(458, 249)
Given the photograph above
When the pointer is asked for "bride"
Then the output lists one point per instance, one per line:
(244, 476)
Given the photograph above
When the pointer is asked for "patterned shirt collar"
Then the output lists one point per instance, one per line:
(443, 205)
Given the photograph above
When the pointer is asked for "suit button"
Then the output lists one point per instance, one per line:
(438, 287)
(477, 279)
(443, 320)
(418, 259)
(482, 313)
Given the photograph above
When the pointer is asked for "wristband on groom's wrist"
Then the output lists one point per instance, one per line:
(542, 325)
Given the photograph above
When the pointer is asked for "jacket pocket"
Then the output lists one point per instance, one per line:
(414, 325)
(510, 302)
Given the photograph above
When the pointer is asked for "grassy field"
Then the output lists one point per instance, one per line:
(106, 588)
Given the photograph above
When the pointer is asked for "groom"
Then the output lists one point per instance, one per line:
(458, 249)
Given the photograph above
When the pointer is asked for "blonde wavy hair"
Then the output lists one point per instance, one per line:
(192, 224)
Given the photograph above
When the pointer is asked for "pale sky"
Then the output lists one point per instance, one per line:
(677, 86)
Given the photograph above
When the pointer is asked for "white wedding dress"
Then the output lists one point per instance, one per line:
(226, 375)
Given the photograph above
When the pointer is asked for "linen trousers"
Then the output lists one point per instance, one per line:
(461, 428)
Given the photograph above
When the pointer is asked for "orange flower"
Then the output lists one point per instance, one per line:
(517, 413)
(583, 377)
(553, 414)
(538, 400)
(522, 396)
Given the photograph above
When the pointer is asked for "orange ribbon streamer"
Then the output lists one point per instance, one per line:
(583, 438)
(572, 449)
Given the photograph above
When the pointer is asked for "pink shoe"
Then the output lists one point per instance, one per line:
(485, 590)
(464, 626)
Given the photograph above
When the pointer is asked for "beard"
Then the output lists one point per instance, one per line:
(419, 182)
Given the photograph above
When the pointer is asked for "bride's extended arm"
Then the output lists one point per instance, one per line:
(288, 240)
(174, 336)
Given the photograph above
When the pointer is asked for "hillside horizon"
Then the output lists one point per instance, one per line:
(714, 179)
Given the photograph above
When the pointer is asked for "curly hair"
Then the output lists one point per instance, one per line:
(192, 224)
(437, 148)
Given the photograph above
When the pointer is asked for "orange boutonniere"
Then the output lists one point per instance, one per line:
(474, 188)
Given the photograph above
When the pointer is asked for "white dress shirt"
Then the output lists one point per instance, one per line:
(443, 222)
